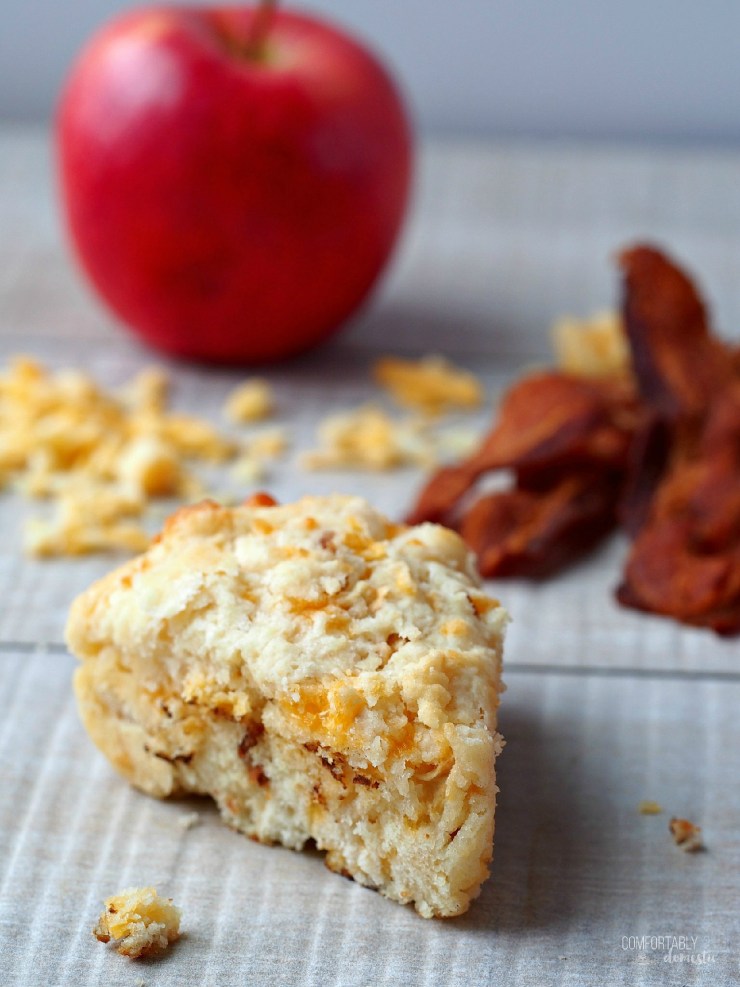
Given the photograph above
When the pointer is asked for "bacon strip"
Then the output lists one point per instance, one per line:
(531, 533)
(660, 452)
(685, 561)
(548, 421)
(679, 366)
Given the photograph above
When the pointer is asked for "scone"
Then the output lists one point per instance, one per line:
(322, 673)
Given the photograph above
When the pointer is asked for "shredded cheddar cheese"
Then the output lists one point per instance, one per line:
(251, 401)
(369, 438)
(591, 347)
(101, 456)
(431, 385)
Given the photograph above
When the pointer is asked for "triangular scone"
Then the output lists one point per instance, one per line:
(321, 673)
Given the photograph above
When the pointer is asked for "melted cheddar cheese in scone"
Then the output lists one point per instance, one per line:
(321, 673)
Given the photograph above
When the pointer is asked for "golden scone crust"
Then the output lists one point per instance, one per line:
(321, 673)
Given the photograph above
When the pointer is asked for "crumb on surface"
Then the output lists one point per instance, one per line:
(369, 438)
(432, 384)
(649, 808)
(188, 820)
(139, 922)
(251, 401)
(593, 346)
(686, 835)
(86, 520)
(251, 464)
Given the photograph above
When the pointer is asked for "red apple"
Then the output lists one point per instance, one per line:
(234, 179)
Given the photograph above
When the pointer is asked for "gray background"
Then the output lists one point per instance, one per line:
(666, 70)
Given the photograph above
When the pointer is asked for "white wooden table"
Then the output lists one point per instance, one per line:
(605, 707)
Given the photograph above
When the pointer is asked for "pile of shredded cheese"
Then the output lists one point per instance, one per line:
(103, 456)
(593, 346)
(370, 438)
(431, 385)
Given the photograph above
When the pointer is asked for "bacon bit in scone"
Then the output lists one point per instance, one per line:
(431, 385)
(686, 835)
(251, 737)
(649, 808)
(367, 782)
(258, 776)
(657, 449)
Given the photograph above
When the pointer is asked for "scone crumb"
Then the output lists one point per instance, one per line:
(686, 835)
(139, 922)
(251, 401)
(431, 385)
(649, 808)
(188, 820)
(591, 347)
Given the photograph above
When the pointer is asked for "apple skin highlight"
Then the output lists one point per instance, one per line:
(231, 203)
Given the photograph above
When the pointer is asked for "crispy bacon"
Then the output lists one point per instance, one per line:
(661, 452)
(557, 419)
(678, 364)
(548, 421)
(533, 533)
(685, 561)
(441, 494)
(567, 440)
(665, 575)
(647, 462)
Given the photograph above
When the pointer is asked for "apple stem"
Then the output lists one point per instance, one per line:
(263, 17)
